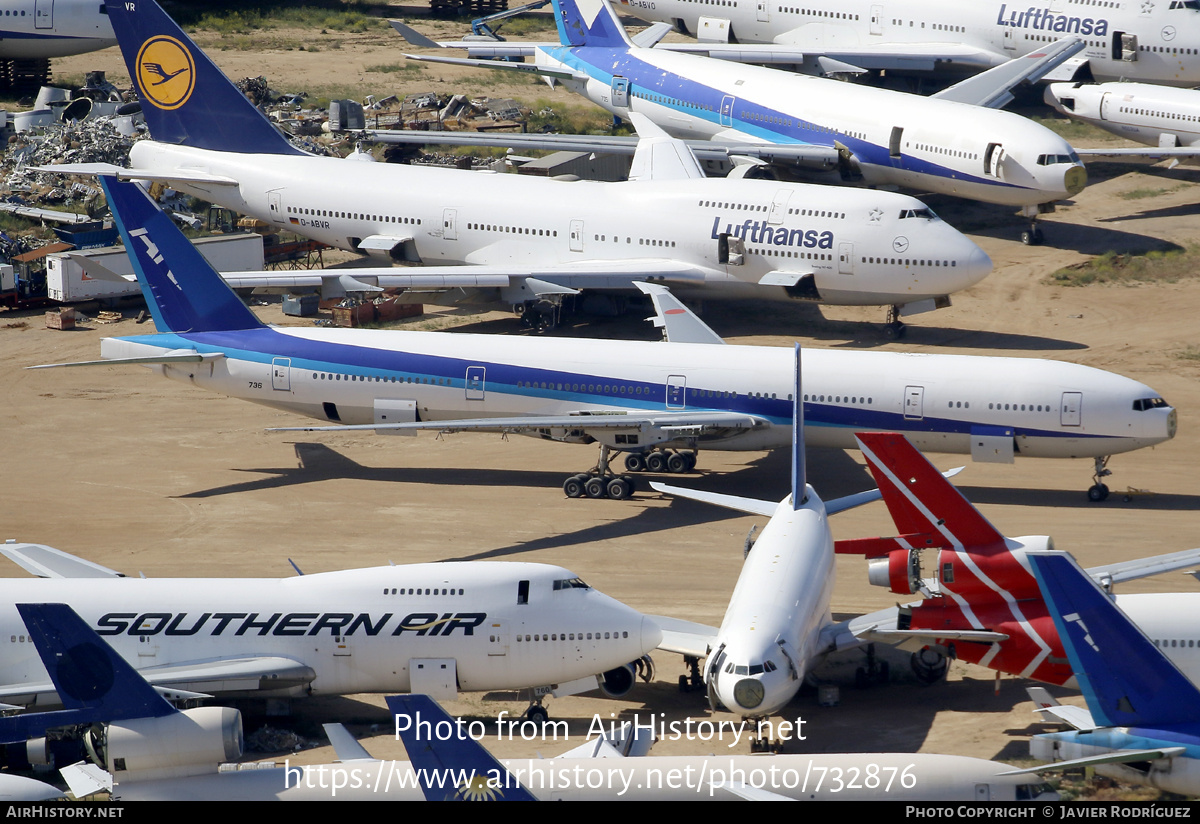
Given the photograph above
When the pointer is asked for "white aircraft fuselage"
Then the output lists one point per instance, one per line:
(895, 139)
(869, 248)
(772, 626)
(499, 625)
(1144, 41)
(1047, 408)
(40, 29)
(1154, 115)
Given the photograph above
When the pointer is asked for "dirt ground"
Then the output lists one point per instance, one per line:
(148, 476)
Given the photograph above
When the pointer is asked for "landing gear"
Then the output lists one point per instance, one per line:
(763, 744)
(1033, 236)
(894, 329)
(537, 714)
(543, 315)
(693, 680)
(1098, 491)
(661, 461)
(873, 671)
(600, 482)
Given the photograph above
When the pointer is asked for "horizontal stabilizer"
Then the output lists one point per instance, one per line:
(85, 779)
(1116, 757)
(120, 173)
(1144, 567)
(181, 356)
(48, 562)
(345, 745)
(685, 637)
(502, 65)
(751, 506)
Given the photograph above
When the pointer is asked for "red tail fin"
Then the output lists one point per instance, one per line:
(919, 499)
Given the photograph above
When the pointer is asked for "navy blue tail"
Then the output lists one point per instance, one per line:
(450, 765)
(185, 98)
(1127, 681)
(182, 290)
(93, 682)
(589, 23)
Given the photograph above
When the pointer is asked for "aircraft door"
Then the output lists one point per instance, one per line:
(1072, 409)
(846, 258)
(475, 382)
(1125, 47)
(43, 14)
(727, 103)
(576, 235)
(676, 392)
(620, 92)
(1010, 40)
(779, 206)
(876, 19)
(993, 160)
(896, 142)
(914, 403)
(275, 202)
(449, 224)
(764, 11)
(497, 639)
(281, 374)
(983, 792)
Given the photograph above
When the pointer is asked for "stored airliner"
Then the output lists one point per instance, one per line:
(635, 397)
(952, 143)
(1166, 118)
(981, 603)
(434, 628)
(1146, 41)
(41, 29)
(520, 238)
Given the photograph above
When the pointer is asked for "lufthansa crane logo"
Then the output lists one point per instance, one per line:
(166, 73)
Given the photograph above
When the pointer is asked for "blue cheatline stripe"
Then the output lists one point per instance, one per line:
(265, 344)
(604, 64)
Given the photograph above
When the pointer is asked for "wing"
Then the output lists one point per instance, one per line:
(583, 422)
(1144, 567)
(790, 49)
(993, 88)
(48, 562)
(1178, 155)
(685, 637)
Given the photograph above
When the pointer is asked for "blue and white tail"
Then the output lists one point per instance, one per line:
(185, 98)
(1126, 680)
(450, 765)
(591, 23)
(182, 290)
(94, 683)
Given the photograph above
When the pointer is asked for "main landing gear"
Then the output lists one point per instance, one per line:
(1099, 491)
(602, 482)
(894, 329)
(693, 681)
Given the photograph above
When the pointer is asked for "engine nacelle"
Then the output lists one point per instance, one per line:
(191, 742)
(617, 683)
(899, 571)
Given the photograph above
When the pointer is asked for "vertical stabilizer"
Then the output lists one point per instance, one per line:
(450, 765)
(185, 98)
(591, 23)
(1127, 681)
(919, 498)
(799, 466)
(181, 288)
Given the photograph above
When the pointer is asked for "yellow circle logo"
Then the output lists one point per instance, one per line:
(166, 72)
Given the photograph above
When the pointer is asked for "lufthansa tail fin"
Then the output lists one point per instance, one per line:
(591, 23)
(181, 288)
(186, 100)
(94, 683)
(1126, 680)
(450, 765)
(920, 499)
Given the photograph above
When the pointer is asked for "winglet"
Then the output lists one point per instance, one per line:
(799, 471)
(181, 288)
(1126, 680)
(679, 324)
(186, 99)
(924, 501)
(439, 747)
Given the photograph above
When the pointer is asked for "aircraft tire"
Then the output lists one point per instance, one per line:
(1097, 493)
(635, 462)
(595, 487)
(676, 463)
(573, 487)
(656, 462)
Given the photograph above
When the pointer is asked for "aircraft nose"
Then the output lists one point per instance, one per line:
(978, 265)
(1172, 423)
(1075, 179)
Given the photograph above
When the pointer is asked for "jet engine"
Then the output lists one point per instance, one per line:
(617, 683)
(187, 743)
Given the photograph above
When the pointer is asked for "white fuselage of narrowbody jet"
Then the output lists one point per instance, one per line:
(40, 29)
(1153, 115)
(1050, 408)
(896, 139)
(772, 627)
(503, 625)
(868, 248)
(1154, 42)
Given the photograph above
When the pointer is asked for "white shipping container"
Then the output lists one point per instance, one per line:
(66, 281)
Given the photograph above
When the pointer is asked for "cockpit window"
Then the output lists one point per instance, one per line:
(570, 583)
(1142, 404)
(1194, 5)
(926, 213)
(1054, 159)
